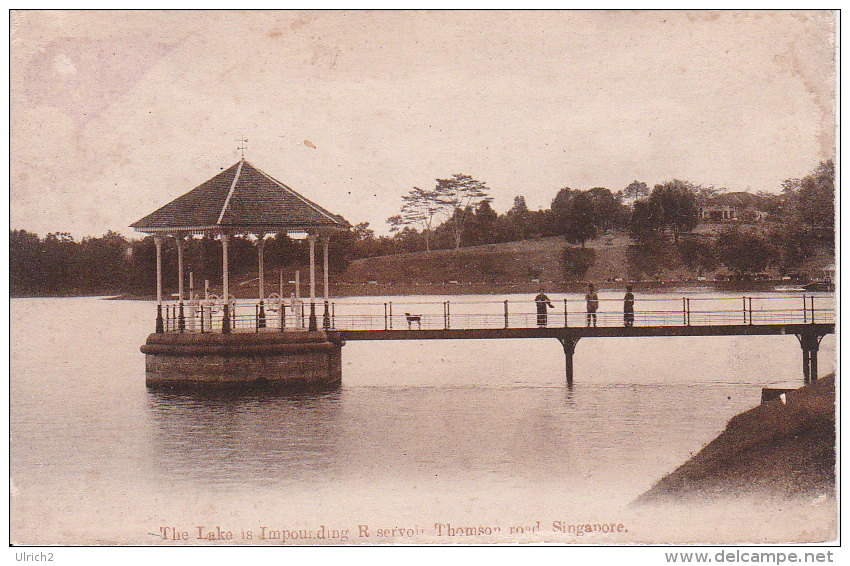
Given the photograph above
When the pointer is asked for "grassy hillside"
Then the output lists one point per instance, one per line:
(511, 267)
(495, 264)
(534, 261)
(784, 447)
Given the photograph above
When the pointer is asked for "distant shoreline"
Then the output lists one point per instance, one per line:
(343, 290)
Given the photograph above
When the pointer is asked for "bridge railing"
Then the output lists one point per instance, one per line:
(354, 314)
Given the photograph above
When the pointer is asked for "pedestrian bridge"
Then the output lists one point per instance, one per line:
(808, 317)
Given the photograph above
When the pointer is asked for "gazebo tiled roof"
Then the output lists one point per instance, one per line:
(240, 199)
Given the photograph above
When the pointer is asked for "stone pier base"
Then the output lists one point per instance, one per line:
(290, 359)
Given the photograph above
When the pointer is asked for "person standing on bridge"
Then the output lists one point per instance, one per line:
(542, 301)
(629, 308)
(592, 304)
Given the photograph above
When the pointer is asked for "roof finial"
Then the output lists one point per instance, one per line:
(242, 146)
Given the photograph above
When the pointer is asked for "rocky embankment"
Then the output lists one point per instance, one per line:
(785, 447)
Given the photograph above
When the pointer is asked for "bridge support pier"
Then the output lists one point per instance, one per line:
(810, 343)
(569, 344)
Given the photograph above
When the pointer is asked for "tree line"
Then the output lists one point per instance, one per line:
(456, 213)
(803, 213)
(58, 265)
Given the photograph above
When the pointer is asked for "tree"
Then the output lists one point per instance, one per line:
(101, 262)
(420, 208)
(280, 250)
(141, 264)
(813, 197)
(362, 232)
(560, 210)
(576, 216)
(772, 204)
(28, 264)
(461, 195)
(519, 208)
(677, 202)
(705, 194)
(606, 207)
(485, 225)
(645, 223)
(60, 253)
(794, 244)
(409, 240)
(519, 217)
(698, 254)
(364, 243)
(635, 191)
(743, 252)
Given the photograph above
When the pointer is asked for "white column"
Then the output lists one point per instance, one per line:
(280, 311)
(261, 243)
(158, 241)
(225, 239)
(297, 309)
(312, 238)
(208, 320)
(325, 241)
(191, 315)
(180, 243)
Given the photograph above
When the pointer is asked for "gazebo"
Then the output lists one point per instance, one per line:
(240, 200)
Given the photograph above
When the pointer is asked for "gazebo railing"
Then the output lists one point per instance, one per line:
(243, 316)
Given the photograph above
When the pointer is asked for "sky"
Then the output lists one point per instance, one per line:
(114, 114)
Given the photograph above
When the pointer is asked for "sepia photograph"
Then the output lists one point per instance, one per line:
(342, 278)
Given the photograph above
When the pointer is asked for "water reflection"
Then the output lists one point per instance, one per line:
(630, 434)
(264, 437)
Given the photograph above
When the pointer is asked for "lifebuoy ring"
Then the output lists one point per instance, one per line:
(213, 302)
(273, 302)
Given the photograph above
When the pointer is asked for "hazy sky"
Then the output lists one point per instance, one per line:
(114, 114)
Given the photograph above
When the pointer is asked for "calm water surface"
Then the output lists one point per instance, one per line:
(457, 433)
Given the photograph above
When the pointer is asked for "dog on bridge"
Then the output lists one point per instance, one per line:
(411, 318)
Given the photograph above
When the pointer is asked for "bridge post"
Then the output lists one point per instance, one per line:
(806, 361)
(569, 345)
(810, 343)
(813, 361)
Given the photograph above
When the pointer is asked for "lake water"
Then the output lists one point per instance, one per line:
(423, 437)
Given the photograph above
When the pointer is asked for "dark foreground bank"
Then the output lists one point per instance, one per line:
(780, 448)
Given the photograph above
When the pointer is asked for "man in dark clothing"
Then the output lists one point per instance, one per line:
(542, 300)
(629, 307)
(592, 303)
